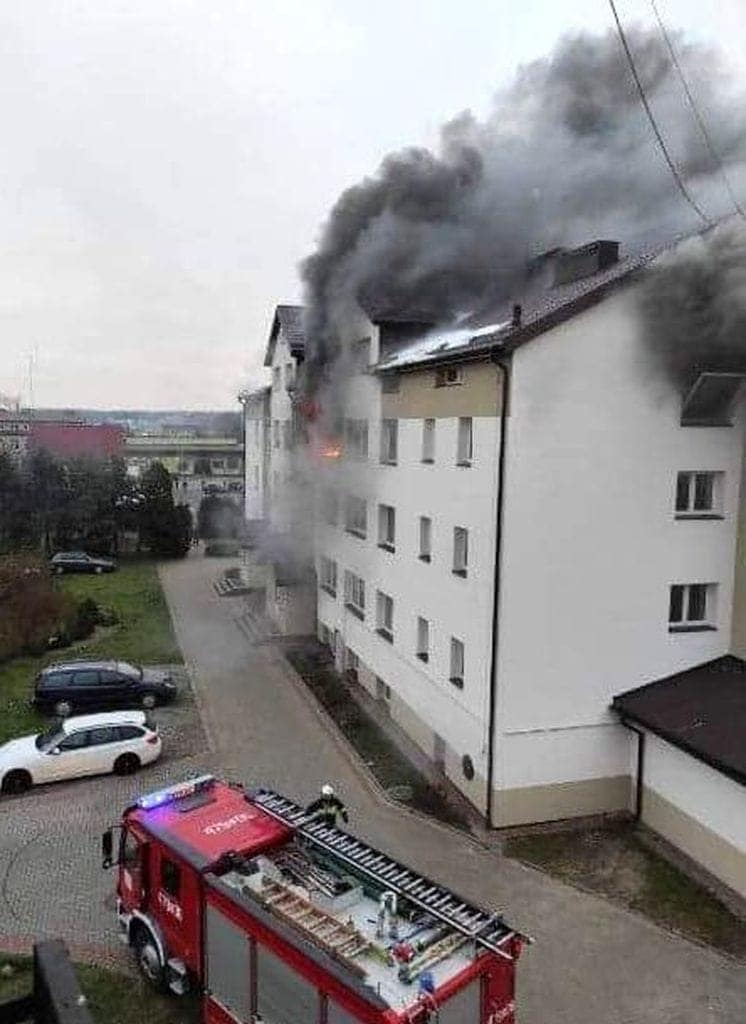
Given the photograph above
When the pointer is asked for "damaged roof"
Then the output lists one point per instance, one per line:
(289, 320)
(541, 309)
(701, 710)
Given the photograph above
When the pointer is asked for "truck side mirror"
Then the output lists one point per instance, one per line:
(107, 848)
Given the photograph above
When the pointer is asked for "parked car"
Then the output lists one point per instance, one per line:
(79, 561)
(118, 741)
(67, 686)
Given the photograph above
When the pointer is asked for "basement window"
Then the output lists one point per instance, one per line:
(709, 402)
(699, 495)
(691, 607)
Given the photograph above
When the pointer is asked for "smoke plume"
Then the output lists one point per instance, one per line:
(565, 155)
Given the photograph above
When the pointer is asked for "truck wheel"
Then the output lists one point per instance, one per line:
(148, 959)
(16, 781)
(126, 764)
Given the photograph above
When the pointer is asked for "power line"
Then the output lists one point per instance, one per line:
(697, 113)
(661, 142)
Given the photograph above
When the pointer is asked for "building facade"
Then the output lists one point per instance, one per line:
(284, 354)
(256, 418)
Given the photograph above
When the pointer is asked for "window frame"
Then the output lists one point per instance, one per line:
(354, 594)
(387, 527)
(686, 494)
(328, 580)
(385, 615)
(460, 566)
(682, 603)
(459, 649)
(465, 441)
(423, 648)
(425, 555)
(448, 376)
(427, 457)
(389, 447)
(354, 527)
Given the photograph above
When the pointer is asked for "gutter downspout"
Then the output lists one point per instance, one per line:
(505, 367)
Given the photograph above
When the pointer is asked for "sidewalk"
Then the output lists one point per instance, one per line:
(593, 962)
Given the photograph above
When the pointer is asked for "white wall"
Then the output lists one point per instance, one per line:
(281, 459)
(451, 496)
(591, 545)
(255, 437)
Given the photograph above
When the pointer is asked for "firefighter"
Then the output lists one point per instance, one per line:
(327, 807)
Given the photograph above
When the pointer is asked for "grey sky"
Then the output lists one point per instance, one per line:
(167, 163)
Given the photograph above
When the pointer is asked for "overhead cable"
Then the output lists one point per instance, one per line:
(704, 131)
(653, 124)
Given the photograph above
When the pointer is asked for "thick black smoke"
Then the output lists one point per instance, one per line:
(566, 155)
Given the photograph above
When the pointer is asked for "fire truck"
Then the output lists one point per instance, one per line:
(274, 916)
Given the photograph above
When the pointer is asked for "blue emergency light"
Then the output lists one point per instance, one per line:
(189, 787)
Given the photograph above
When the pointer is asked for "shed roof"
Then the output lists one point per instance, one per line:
(289, 320)
(701, 710)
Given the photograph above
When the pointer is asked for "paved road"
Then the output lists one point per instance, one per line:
(592, 961)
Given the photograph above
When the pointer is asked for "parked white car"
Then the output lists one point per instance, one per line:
(117, 741)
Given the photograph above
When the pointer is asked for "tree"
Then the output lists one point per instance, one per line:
(166, 529)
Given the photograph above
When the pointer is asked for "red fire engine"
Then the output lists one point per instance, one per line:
(283, 919)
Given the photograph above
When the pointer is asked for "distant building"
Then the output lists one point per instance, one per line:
(256, 406)
(199, 466)
(14, 435)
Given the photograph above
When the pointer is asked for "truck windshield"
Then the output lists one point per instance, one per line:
(49, 739)
(134, 671)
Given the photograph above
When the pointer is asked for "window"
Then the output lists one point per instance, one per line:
(98, 737)
(457, 663)
(330, 507)
(464, 442)
(128, 732)
(276, 377)
(691, 607)
(328, 575)
(425, 538)
(428, 440)
(699, 495)
(356, 516)
(385, 616)
(109, 678)
(460, 551)
(389, 432)
(130, 850)
(85, 679)
(361, 354)
(447, 375)
(351, 664)
(355, 594)
(75, 741)
(356, 438)
(170, 877)
(423, 639)
(389, 384)
(386, 527)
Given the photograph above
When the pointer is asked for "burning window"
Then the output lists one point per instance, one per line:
(709, 402)
(356, 516)
(389, 441)
(356, 438)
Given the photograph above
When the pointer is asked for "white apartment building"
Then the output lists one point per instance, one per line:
(256, 419)
(528, 521)
(285, 349)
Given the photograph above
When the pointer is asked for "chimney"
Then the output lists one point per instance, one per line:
(575, 264)
(517, 311)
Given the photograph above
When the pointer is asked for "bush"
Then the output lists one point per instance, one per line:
(79, 624)
(31, 609)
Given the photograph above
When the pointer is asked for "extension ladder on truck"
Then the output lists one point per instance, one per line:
(485, 929)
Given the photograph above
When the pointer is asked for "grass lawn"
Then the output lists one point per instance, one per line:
(143, 633)
(614, 862)
(112, 998)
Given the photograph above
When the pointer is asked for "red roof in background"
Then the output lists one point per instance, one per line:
(71, 440)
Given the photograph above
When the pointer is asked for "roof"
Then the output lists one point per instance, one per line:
(289, 320)
(223, 820)
(104, 718)
(72, 440)
(541, 309)
(701, 710)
